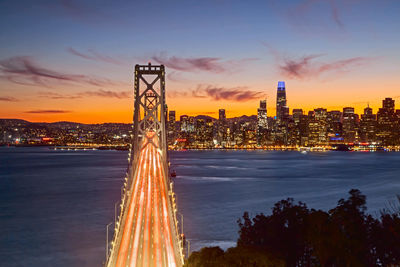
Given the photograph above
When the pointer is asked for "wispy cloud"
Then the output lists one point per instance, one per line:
(94, 93)
(8, 99)
(302, 12)
(94, 55)
(211, 64)
(195, 64)
(308, 66)
(24, 70)
(47, 111)
(235, 94)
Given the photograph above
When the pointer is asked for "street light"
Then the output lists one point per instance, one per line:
(115, 212)
(188, 247)
(108, 225)
(181, 223)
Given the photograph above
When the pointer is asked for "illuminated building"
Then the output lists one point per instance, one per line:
(221, 128)
(320, 117)
(335, 131)
(221, 114)
(349, 125)
(282, 111)
(368, 126)
(262, 122)
(171, 127)
(297, 113)
(387, 132)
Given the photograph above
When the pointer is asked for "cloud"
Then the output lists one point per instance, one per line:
(211, 64)
(308, 67)
(175, 76)
(195, 64)
(335, 14)
(47, 111)
(93, 55)
(235, 94)
(8, 99)
(307, 9)
(95, 93)
(24, 70)
(109, 94)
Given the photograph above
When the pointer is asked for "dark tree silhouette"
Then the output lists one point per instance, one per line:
(294, 235)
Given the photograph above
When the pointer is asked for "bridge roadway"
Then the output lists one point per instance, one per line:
(147, 234)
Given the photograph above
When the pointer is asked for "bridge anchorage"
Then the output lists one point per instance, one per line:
(146, 230)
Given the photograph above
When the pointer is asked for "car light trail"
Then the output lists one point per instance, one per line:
(147, 237)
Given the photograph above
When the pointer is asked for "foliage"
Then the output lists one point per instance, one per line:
(294, 235)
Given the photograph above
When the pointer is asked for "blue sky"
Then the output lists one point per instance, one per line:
(347, 48)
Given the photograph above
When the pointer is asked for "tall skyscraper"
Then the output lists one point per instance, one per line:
(222, 115)
(171, 126)
(350, 121)
(368, 126)
(262, 115)
(387, 132)
(262, 122)
(281, 101)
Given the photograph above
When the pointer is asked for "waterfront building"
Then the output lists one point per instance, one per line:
(262, 122)
(171, 127)
(282, 110)
(349, 125)
(368, 126)
(388, 126)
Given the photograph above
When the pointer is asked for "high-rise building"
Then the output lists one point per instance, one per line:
(262, 122)
(171, 126)
(387, 132)
(222, 127)
(262, 115)
(281, 105)
(321, 115)
(349, 124)
(368, 126)
(222, 115)
(297, 113)
(334, 120)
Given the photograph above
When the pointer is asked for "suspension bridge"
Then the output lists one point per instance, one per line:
(146, 230)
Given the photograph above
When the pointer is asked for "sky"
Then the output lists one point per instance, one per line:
(73, 60)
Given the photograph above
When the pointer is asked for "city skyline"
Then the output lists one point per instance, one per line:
(78, 64)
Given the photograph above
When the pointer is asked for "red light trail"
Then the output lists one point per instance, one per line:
(147, 235)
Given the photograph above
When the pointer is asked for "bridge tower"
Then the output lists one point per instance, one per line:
(149, 103)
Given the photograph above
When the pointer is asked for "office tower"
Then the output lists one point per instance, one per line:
(321, 115)
(221, 127)
(222, 115)
(318, 127)
(334, 120)
(388, 104)
(262, 115)
(171, 127)
(262, 122)
(297, 113)
(368, 126)
(349, 125)
(387, 132)
(281, 105)
(184, 120)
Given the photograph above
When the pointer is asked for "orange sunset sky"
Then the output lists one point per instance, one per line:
(75, 63)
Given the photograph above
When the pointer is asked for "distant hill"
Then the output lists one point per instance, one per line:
(14, 122)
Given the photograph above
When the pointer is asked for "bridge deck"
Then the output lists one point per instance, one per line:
(147, 235)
